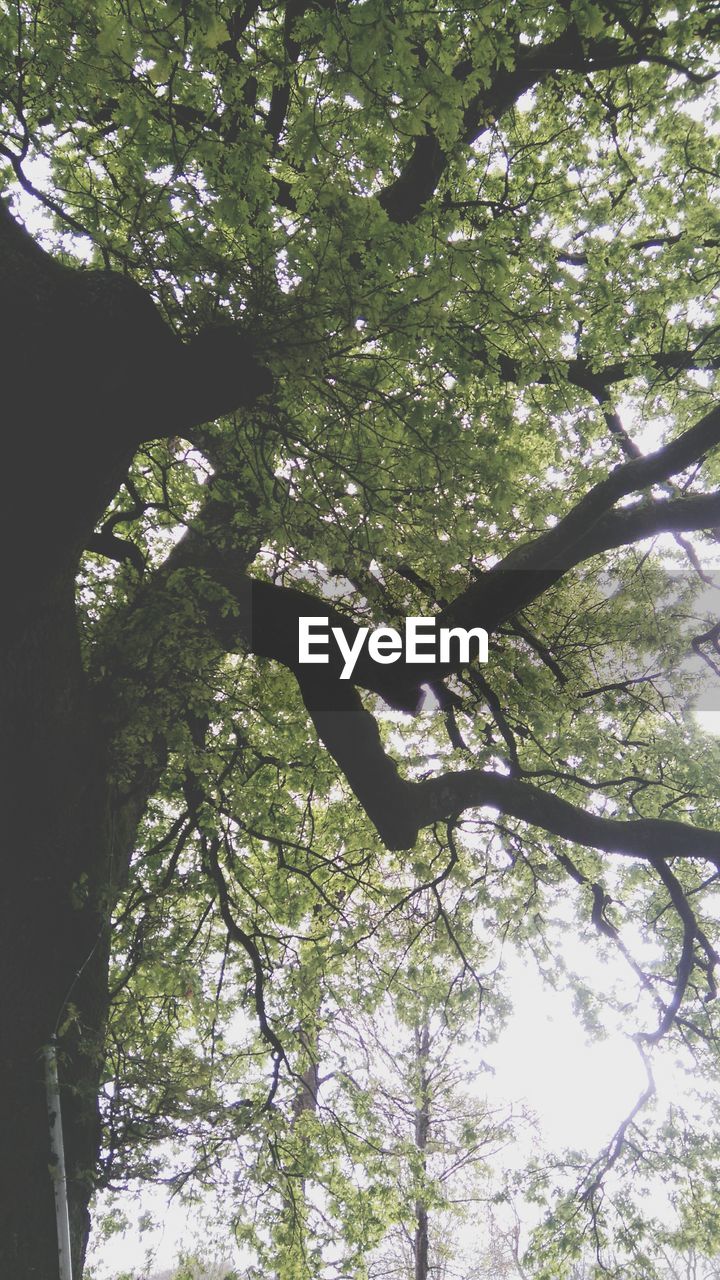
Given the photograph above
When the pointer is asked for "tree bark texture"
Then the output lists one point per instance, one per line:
(74, 372)
(59, 847)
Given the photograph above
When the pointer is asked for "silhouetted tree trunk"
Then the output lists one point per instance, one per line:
(90, 370)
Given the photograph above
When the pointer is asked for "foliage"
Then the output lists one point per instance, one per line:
(477, 250)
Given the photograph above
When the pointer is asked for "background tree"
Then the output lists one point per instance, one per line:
(353, 293)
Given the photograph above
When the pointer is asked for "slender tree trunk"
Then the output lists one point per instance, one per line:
(421, 1242)
(306, 1098)
(293, 1231)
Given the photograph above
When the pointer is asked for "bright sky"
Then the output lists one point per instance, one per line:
(545, 1059)
(579, 1091)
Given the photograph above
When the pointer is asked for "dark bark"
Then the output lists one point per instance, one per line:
(91, 370)
(404, 198)
(646, 838)
(280, 100)
(421, 1242)
(59, 849)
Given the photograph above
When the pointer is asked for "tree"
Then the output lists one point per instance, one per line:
(356, 310)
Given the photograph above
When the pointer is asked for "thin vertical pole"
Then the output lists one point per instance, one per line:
(57, 1161)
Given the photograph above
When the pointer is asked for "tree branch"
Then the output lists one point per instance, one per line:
(266, 620)
(113, 548)
(404, 198)
(579, 372)
(530, 568)
(443, 798)
(280, 99)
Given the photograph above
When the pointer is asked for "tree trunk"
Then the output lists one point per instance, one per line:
(421, 1241)
(90, 371)
(72, 344)
(59, 858)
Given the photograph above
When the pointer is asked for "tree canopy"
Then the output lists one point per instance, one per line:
(364, 311)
